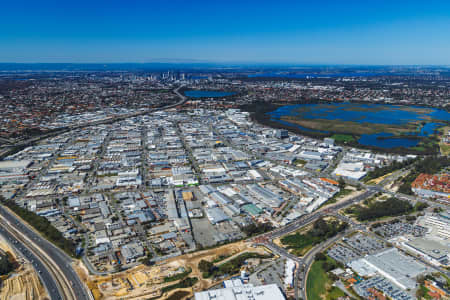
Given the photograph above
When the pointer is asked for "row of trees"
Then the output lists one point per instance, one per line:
(381, 171)
(327, 263)
(185, 283)
(320, 231)
(6, 265)
(42, 225)
(254, 229)
(178, 276)
(230, 267)
(378, 209)
(432, 164)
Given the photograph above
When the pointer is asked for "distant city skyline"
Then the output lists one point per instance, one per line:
(297, 32)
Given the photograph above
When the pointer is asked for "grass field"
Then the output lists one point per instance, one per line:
(316, 281)
(343, 138)
(302, 241)
(334, 293)
(445, 149)
(318, 285)
(418, 148)
(351, 127)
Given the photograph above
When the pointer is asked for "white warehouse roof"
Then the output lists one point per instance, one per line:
(245, 292)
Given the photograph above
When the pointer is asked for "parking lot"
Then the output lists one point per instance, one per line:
(342, 254)
(272, 273)
(400, 228)
(203, 232)
(364, 244)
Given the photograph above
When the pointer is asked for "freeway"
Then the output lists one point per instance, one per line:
(61, 259)
(183, 100)
(55, 261)
(47, 279)
(54, 256)
(31, 141)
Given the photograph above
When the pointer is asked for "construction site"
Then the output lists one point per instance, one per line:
(157, 281)
(23, 283)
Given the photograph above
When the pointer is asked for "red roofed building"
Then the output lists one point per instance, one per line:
(429, 186)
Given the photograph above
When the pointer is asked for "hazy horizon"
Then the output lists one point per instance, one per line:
(288, 65)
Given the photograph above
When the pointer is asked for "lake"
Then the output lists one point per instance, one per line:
(207, 94)
(373, 123)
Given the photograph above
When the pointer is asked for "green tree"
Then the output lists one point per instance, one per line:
(205, 266)
(320, 256)
(6, 265)
(341, 183)
(420, 206)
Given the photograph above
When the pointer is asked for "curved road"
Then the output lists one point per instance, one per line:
(42, 271)
(304, 263)
(58, 131)
(61, 259)
(71, 281)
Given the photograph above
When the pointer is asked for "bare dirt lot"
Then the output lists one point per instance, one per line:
(23, 283)
(143, 282)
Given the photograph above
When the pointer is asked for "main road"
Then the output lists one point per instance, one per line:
(49, 282)
(22, 144)
(54, 265)
(304, 263)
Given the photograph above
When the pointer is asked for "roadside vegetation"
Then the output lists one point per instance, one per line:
(321, 230)
(185, 283)
(178, 276)
(256, 229)
(220, 258)
(374, 209)
(42, 225)
(178, 295)
(342, 193)
(6, 264)
(381, 171)
(319, 281)
(229, 267)
(147, 260)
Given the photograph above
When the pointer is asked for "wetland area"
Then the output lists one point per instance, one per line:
(374, 125)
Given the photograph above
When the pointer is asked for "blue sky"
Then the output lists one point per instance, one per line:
(310, 32)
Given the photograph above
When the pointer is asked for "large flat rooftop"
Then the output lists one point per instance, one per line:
(395, 266)
(244, 292)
